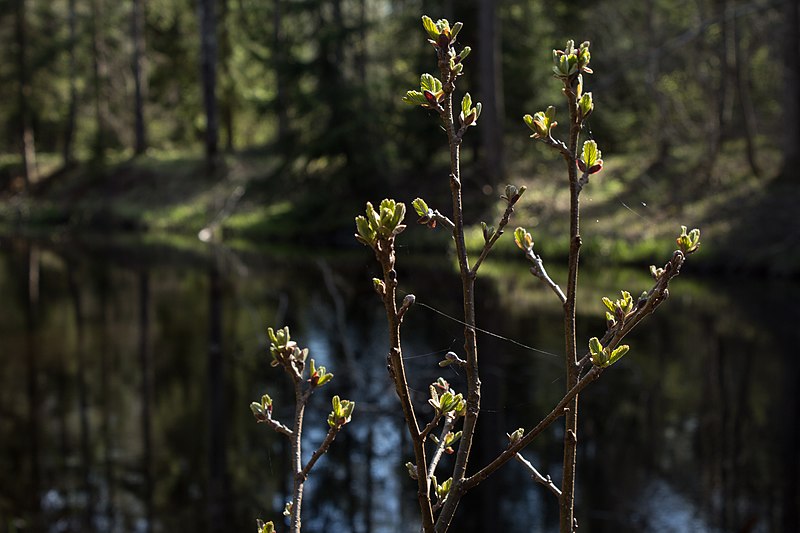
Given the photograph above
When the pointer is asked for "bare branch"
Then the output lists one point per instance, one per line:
(539, 478)
(319, 452)
(431, 426)
(494, 238)
(449, 422)
(539, 271)
(277, 426)
(510, 452)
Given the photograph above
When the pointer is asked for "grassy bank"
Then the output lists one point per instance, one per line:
(631, 211)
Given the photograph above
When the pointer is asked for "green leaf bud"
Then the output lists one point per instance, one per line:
(597, 352)
(590, 162)
(586, 105)
(420, 207)
(379, 286)
(516, 435)
(268, 527)
(688, 243)
(430, 27)
(617, 354)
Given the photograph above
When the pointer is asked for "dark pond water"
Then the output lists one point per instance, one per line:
(128, 371)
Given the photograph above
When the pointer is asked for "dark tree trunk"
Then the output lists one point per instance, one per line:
(491, 85)
(218, 490)
(228, 102)
(146, 392)
(280, 55)
(139, 76)
(68, 154)
(790, 124)
(27, 145)
(745, 102)
(99, 76)
(206, 10)
(32, 377)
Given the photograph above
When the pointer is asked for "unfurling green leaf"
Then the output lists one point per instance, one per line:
(688, 243)
(415, 98)
(342, 412)
(379, 286)
(428, 82)
(429, 95)
(268, 527)
(603, 357)
(590, 162)
(617, 354)
(488, 231)
(570, 62)
(319, 376)
(381, 224)
(542, 123)
(412, 470)
(597, 352)
(420, 207)
(656, 272)
(430, 27)
(443, 489)
(516, 435)
(585, 105)
(523, 239)
(469, 114)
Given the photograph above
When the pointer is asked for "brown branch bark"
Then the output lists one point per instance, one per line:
(384, 252)
(297, 455)
(571, 360)
(468, 295)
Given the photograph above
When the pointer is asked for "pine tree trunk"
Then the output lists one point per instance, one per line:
(139, 77)
(68, 153)
(208, 74)
(27, 146)
(491, 86)
(790, 124)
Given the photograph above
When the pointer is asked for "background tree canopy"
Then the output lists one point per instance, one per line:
(305, 95)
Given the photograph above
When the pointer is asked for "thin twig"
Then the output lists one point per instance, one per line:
(319, 452)
(443, 220)
(497, 234)
(656, 296)
(449, 422)
(510, 452)
(539, 271)
(539, 478)
(277, 426)
(431, 425)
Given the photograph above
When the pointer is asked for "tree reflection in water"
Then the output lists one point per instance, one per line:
(128, 372)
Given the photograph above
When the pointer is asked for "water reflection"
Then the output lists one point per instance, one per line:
(128, 371)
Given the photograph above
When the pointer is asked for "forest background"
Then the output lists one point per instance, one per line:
(234, 115)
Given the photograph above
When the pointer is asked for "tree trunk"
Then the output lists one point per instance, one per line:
(145, 399)
(99, 76)
(139, 77)
(491, 85)
(228, 89)
(745, 102)
(208, 74)
(218, 494)
(27, 146)
(791, 81)
(280, 52)
(68, 153)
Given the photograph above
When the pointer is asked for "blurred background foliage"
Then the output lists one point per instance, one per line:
(104, 122)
